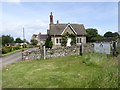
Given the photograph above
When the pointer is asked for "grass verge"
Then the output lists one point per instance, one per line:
(87, 71)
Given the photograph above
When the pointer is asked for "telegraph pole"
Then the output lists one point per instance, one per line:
(23, 44)
(23, 35)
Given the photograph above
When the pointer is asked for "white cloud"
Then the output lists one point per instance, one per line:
(16, 30)
(12, 1)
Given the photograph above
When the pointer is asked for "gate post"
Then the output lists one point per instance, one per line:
(114, 48)
(81, 50)
(22, 54)
(44, 52)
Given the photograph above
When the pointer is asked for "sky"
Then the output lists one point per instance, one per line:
(34, 16)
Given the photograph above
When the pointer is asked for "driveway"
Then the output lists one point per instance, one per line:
(16, 57)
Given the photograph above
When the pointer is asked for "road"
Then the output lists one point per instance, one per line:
(16, 57)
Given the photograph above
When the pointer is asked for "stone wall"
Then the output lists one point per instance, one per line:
(61, 51)
(55, 52)
(50, 53)
(88, 48)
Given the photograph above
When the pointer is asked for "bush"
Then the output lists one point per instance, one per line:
(48, 42)
(30, 46)
(64, 41)
(34, 42)
(6, 49)
(16, 47)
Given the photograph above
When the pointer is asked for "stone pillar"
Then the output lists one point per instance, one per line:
(81, 49)
(44, 53)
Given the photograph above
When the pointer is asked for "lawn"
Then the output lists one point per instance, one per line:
(87, 71)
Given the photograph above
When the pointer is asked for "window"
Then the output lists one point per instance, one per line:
(60, 40)
(56, 40)
(79, 40)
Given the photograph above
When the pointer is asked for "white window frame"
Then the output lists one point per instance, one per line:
(78, 40)
(58, 41)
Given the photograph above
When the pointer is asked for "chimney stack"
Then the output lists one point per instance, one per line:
(51, 18)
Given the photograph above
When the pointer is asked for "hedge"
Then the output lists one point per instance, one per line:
(8, 49)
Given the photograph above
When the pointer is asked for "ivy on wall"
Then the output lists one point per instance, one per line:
(73, 39)
(65, 38)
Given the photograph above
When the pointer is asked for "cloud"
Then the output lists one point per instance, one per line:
(16, 30)
(12, 1)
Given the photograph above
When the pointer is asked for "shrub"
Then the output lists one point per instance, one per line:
(6, 49)
(30, 46)
(16, 47)
(48, 42)
(24, 46)
(34, 42)
(73, 39)
(64, 41)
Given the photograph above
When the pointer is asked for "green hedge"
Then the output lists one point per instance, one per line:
(8, 49)
(16, 47)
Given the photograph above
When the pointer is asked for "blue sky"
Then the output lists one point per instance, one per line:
(34, 16)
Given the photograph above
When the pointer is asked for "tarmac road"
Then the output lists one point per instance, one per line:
(16, 57)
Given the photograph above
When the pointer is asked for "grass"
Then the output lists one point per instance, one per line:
(88, 71)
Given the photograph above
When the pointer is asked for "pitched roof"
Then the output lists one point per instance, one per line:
(57, 29)
(42, 36)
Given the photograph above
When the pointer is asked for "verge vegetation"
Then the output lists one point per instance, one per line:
(88, 71)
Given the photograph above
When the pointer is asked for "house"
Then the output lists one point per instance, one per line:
(56, 31)
(40, 38)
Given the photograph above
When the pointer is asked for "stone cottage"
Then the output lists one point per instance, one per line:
(57, 30)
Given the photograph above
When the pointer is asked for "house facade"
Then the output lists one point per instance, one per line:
(57, 30)
(41, 38)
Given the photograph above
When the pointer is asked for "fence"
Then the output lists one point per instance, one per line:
(102, 48)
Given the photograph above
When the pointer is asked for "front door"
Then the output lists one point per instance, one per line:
(68, 42)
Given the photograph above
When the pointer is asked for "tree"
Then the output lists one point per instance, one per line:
(98, 38)
(108, 34)
(34, 42)
(116, 34)
(18, 40)
(91, 34)
(7, 39)
(48, 42)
